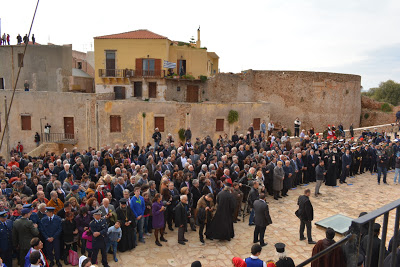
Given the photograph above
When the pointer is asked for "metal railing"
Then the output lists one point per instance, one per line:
(353, 239)
(58, 138)
(128, 73)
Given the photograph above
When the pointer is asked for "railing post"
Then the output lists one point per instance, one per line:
(370, 241)
(383, 240)
(396, 236)
(353, 245)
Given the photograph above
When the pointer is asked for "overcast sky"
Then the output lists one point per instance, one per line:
(358, 37)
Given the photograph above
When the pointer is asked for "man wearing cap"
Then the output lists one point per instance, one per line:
(253, 260)
(22, 233)
(34, 216)
(284, 261)
(99, 228)
(74, 193)
(50, 228)
(4, 190)
(5, 238)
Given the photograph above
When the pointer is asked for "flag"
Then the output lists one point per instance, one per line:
(169, 65)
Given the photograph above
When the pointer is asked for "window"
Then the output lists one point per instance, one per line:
(181, 67)
(159, 123)
(256, 124)
(219, 125)
(119, 92)
(25, 122)
(110, 63)
(115, 124)
(20, 60)
(2, 86)
(80, 65)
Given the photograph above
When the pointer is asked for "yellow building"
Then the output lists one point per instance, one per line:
(137, 63)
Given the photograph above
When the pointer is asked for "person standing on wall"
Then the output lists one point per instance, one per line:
(156, 137)
(271, 127)
(297, 124)
(306, 214)
(47, 131)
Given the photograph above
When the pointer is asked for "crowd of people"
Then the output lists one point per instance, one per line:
(113, 199)
(5, 39)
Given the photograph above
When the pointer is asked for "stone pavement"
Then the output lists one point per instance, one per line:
(349, 200)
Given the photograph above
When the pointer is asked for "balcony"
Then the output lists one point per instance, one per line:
(59, 138)
(130, 73)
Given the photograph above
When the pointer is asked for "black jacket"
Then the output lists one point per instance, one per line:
(180, 215)
(305, 211)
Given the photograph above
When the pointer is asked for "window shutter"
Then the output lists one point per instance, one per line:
(256, 124)
(26, 122)
(219, 125)
(115, 124)
(159, 123)
(157, 67)
(139, 66)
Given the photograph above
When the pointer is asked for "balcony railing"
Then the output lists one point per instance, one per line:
(353, 238)
(62, 138)
(130, 73)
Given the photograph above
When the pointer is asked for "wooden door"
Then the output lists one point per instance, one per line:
(137, 92)
(192, 94)
(152, 90)
(110, 63)
(69, 127)
(119, 92)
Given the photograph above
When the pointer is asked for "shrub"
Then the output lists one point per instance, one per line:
(233, 116)
(203, 78)
(289, 132)
(366, 115)
(188, 77)
(386, 107)
(181, 134)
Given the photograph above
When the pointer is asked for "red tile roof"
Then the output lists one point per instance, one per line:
(138, 34)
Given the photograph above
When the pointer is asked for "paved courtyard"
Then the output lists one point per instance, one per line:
(363, 195)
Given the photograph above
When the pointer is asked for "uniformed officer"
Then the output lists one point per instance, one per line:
(6, 239)
(34, 216)
(99, 227)
(22, 233)
(50, 228)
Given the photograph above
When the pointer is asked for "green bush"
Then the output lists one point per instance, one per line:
(386, 107)
(366, 115)
(289, 132)
(233, 116)
(188, 77)
(203, 78)
(181, 134)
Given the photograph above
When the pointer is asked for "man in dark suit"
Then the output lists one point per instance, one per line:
(99, 228)
(346, 162)
(306, 214)
(95, 172)
(312, 161)
(22, 233)
(157, 176)
(50, 228)
(119, 189)
(262, 219)
(4, 190)
(6, 239)
(253, 196)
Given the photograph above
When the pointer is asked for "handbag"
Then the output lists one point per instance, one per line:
(73, 258)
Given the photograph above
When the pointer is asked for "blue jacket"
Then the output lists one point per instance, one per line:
(63, 175)
(114, 234)
(102, 228)
(50, 229)
(6, 235)
(250, 262)
(6, 192)
(137, 206)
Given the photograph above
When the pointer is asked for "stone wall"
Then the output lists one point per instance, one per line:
(317, 98)
(137, 119)
(45, 67)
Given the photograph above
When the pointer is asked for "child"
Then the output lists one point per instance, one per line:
(114, 236)
(83, 202)
(88, 236)
(147, 212)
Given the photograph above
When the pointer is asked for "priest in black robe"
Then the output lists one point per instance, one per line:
(128, 226)
(332, 168)
(221, 226)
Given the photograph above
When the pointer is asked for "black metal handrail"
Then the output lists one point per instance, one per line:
(57, 137)
(354, 238)
(325, 251)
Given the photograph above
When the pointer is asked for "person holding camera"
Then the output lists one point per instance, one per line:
(158, 209)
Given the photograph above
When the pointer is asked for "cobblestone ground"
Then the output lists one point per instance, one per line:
(363, 195)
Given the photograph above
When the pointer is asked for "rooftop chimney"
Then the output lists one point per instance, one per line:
(198, 38)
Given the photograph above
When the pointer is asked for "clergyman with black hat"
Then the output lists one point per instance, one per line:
(5, 239)
(50, 228)
(284, 260)
(128, 226)
(22, 233)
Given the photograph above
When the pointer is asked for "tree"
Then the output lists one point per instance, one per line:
(388, 91)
